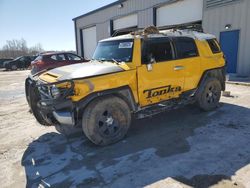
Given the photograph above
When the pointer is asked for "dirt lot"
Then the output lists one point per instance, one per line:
(182, 148)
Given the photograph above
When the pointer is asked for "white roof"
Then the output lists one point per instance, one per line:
(166, 33)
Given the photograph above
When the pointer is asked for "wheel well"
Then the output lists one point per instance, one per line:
(124, 93)
(218, 73)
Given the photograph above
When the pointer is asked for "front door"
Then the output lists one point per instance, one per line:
(164, 81)
(229, 41)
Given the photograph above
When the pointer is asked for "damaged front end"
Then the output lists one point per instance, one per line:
(50, 103)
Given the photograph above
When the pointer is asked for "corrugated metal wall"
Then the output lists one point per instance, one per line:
(215, 17)
(238, 15)
(144, 8)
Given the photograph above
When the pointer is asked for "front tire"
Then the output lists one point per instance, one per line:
(106, 120)
(209, 96)
(13, 67)
(32, 99)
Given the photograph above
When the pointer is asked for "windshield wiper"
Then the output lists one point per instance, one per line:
(100, 60)
(118, 62)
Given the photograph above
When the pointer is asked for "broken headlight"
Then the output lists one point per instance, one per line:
(55, 92)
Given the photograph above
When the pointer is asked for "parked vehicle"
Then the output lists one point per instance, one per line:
(50, 60)
(22, 62)
(4, 60)
(139, 75)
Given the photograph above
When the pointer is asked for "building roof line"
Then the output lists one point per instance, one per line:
(99, 9)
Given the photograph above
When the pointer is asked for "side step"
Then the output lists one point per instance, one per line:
(163, 107)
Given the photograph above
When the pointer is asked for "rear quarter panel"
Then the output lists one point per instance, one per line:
(208, 59)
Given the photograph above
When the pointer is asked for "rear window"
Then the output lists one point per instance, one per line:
(213, 44)
(185, 47)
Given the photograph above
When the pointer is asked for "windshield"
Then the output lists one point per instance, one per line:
(38, 58)
(17, 58)
(120, 51)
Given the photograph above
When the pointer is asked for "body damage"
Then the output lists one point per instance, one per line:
(101, 83)
(133, 80)
(81, 70)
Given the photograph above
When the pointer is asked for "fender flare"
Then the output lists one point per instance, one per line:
(123, 92)
(218, 73)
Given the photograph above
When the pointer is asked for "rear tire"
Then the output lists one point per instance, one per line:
(209, 96)
(106, 120)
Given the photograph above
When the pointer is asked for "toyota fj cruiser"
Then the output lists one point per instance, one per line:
(139, 75)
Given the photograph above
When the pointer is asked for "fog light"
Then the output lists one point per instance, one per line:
(55, 92)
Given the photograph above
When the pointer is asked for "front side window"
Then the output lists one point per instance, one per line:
(22, 59)
(73, 57)
(159, 48)
(120, 51)
(213, 46)
(185, 47)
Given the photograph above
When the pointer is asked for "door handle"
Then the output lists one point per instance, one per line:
(177, 68)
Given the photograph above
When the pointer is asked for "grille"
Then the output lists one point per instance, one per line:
(216, 3)
(45, 92)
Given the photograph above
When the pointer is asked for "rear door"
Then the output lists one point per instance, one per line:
(187, 61)
(162, 82)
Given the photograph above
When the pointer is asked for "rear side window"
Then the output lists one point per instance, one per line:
(185, 47)
(214, 46)
(159, 48)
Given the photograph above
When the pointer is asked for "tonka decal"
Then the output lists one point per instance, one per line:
(161, 91)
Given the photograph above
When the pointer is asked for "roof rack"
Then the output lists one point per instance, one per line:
(194, 26)
(127, 30)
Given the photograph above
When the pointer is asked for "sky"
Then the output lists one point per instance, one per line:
(48, 22)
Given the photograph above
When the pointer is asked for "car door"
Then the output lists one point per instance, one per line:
(27, 62)
(21, 62)
(187, 61)
(58, 60)
(159, 81)
(72, 58)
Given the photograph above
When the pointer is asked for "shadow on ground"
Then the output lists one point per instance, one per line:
(186, 144)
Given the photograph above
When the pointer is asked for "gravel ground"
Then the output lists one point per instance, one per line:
(181, 148)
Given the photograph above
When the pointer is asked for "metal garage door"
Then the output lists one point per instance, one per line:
(125, 22)
(179, 13)
(89, 42)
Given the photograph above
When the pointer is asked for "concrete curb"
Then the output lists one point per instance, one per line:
(238, 83)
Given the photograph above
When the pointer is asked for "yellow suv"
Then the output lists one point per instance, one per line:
(139, 75)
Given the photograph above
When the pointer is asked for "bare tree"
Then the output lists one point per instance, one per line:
(36, 49)
(14, 48)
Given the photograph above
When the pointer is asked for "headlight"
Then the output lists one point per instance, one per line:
(55, 92)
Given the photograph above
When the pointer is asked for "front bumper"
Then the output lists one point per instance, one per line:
(52, 111)
(62, 111)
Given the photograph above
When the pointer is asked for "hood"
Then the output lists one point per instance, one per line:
(80, 70)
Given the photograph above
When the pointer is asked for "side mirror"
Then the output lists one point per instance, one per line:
(150, 64)
(149, 67)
